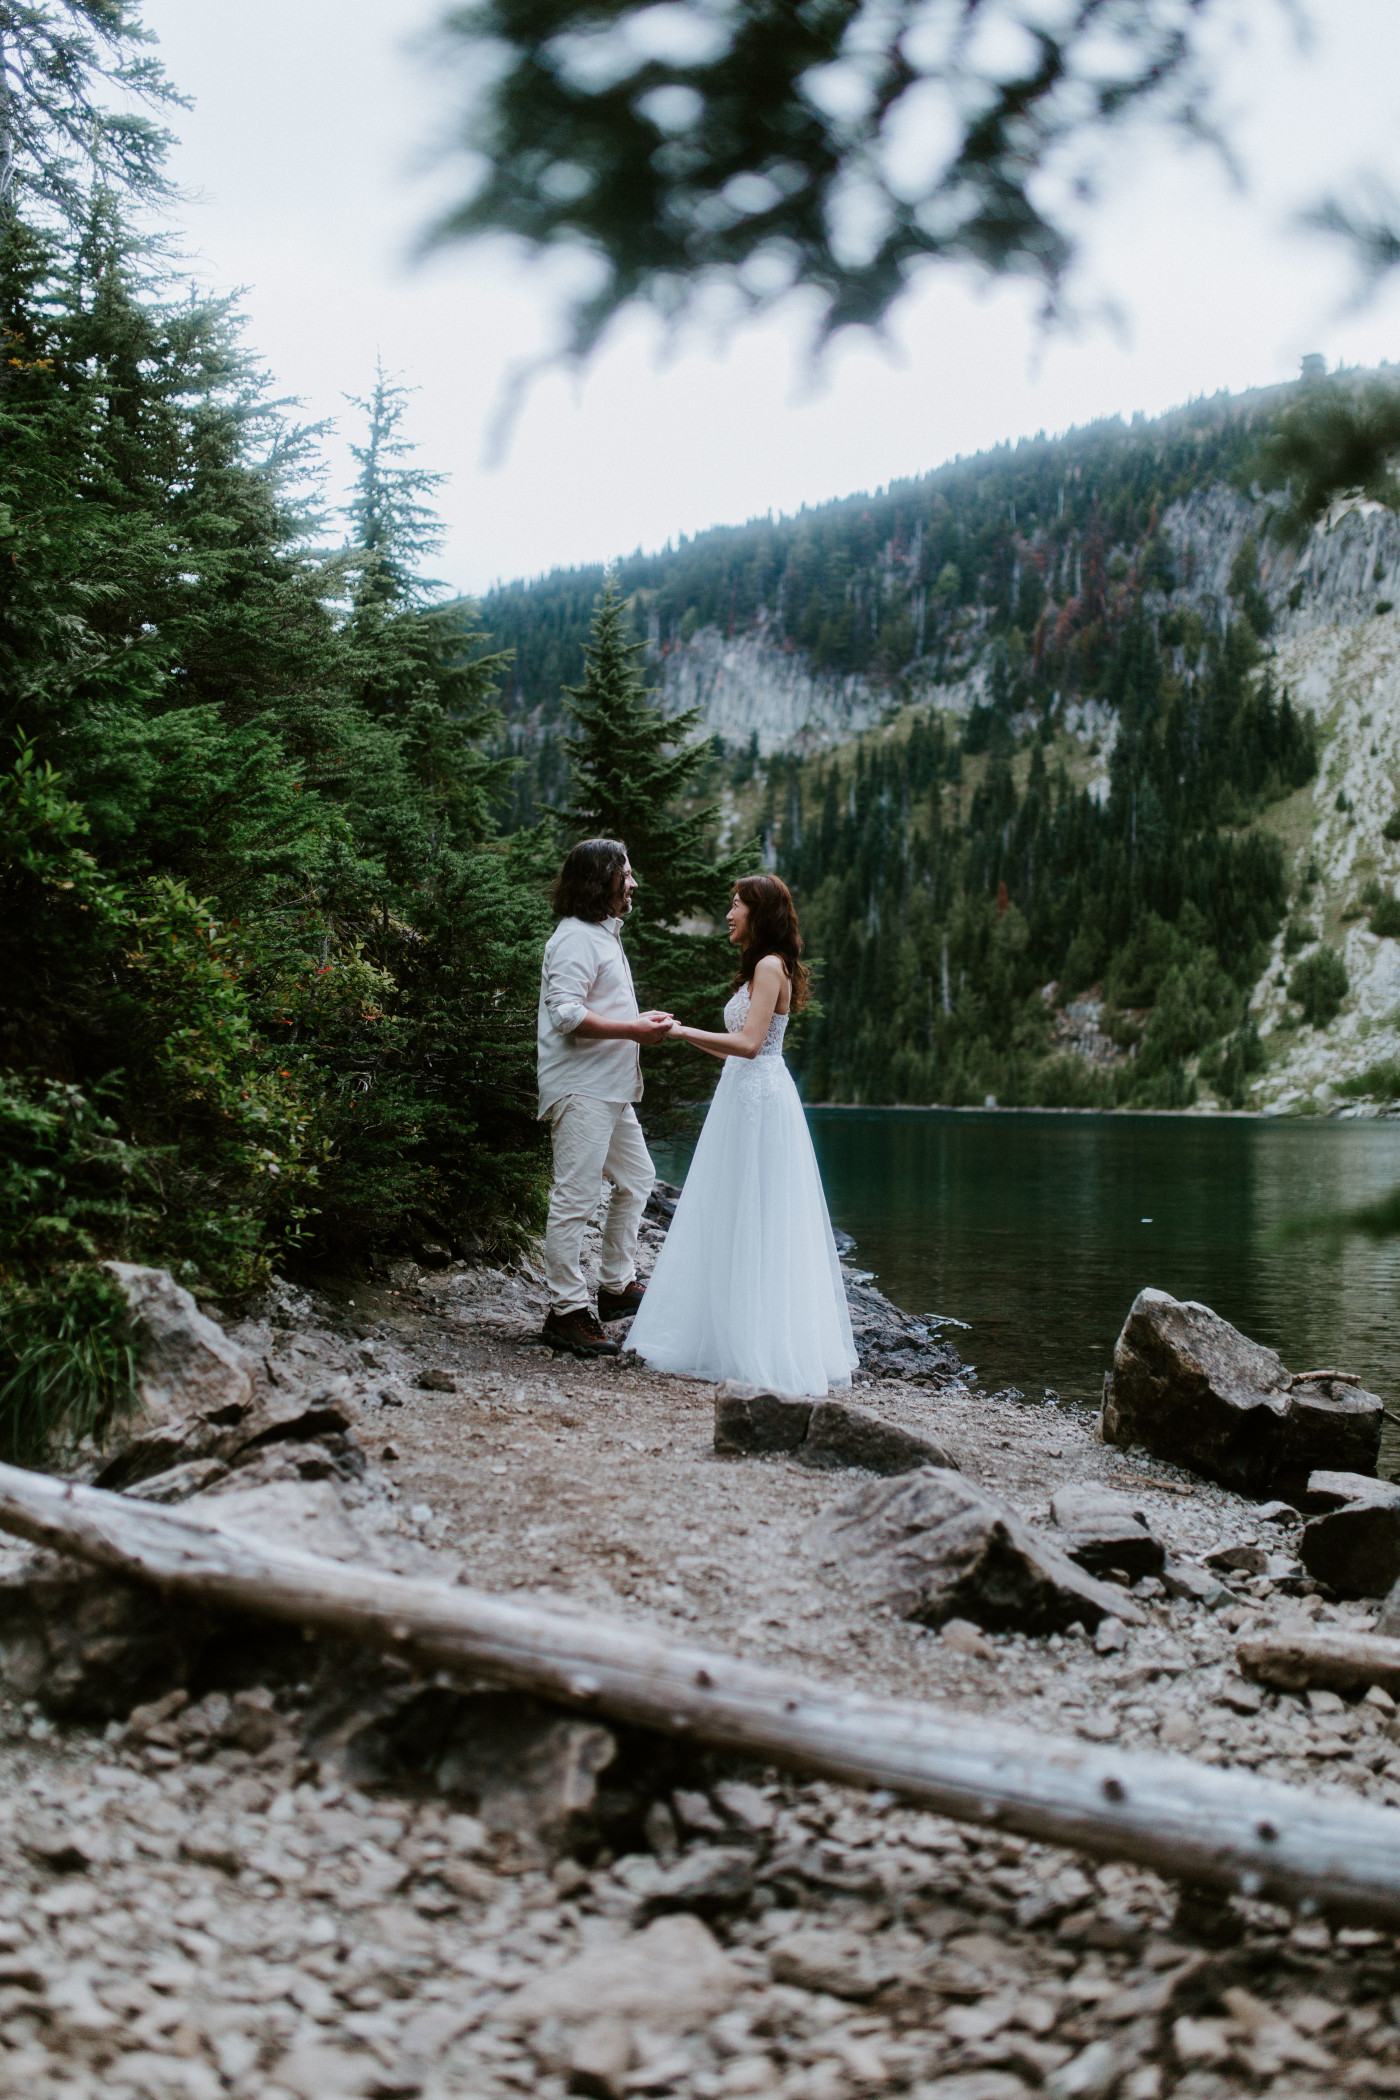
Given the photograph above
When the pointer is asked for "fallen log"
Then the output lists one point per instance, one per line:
(1333, 1662)
(1221, 1830)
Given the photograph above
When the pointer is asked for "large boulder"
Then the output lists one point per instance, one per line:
(202, 1409)
(933, 1547)
(185, 1363)
(750, 1421)
(1195, 1391)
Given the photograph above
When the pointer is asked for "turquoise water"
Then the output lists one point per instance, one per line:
(1039, 1230)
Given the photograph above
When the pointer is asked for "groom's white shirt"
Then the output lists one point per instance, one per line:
(586, 971)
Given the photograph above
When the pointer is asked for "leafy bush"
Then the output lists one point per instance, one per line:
(1072, 1082)
(1379, 1082)
(1231, 1063)
(66, 1364)
(1385, 919)
(68, 1181)
(1297, 935)
(1391, 828)
(1319, 985)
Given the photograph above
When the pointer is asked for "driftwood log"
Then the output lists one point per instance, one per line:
(1221, 1830)
(1334, 1662)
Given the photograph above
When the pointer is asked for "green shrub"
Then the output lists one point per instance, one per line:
(1230, 1063)
(1385, 919)
(1172, 1088)
(1072, 1082)
(1319, 985)
(66, 1365)
(1297, 935)
(1391, 828)
(1380, 1082)
(67, 1180)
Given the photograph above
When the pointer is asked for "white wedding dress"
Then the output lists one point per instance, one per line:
(748, 1284)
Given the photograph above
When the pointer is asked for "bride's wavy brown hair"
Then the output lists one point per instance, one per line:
(772, 931)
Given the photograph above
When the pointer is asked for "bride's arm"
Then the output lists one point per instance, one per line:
(748, 1040)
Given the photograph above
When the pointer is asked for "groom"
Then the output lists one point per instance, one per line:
(590, 1074)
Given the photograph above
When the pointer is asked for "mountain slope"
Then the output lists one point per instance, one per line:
(1082, 781)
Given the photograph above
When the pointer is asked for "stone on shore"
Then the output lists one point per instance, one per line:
(1196, 1392)
(842, 1435)
(895, 1344)
(1104, 1531)
(1326, 1491)
(933, 1547)
(202, 1410)
(674, 1976)
(185, 1363)
(1185, 1580)
(1355, 1546)
(750, 1421)
(825, 1434)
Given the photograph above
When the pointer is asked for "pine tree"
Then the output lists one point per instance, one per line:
(419, 665)
(59, 130)
(633, 772)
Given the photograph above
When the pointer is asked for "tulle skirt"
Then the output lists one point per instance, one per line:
(748, 1284)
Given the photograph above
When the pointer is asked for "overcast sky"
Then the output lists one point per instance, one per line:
(301, 164)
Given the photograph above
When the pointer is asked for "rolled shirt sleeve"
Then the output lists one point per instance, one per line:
(586, 971)
(568, 979)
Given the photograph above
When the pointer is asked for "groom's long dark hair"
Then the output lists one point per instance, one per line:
(588, 884)
(772, 931)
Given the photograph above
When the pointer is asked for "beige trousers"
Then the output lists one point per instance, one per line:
(594, 1141)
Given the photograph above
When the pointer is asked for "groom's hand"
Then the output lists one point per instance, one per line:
(653, 1026)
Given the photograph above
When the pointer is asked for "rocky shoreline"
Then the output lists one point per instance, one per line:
(246, 1864)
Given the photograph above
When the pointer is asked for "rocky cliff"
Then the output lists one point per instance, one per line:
(1336, 646)
(755, 684)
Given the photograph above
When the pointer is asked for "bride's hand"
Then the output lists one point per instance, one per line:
(677, 1031)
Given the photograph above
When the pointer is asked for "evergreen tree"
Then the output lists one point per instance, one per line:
(59, 130)
(269, 976)
(633, 774)
(419, 665)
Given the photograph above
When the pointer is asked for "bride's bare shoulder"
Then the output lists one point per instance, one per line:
(771, 977)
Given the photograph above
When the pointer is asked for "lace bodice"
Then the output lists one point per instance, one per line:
(736, 1013)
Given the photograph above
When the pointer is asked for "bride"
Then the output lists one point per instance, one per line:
(748, 1285)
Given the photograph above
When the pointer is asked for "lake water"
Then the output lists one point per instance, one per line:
(1040, 1229)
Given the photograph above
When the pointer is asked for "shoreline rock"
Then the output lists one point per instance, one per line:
(1192, 1389)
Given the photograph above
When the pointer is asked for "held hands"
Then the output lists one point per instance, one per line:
(656, 1027)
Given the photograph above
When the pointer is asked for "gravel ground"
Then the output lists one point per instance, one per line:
(198, 1903)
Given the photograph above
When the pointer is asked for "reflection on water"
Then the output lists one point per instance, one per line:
(1039, 1230)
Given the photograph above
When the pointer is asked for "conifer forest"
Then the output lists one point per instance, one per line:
(956, 884)
(278, 814)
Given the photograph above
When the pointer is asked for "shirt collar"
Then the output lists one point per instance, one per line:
(614, 926)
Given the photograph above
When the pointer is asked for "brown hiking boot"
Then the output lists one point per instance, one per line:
(620, 1305)
(578, 1332)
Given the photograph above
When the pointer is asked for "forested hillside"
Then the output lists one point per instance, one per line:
(958, 898)
(1084, 732)
(900, 585)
